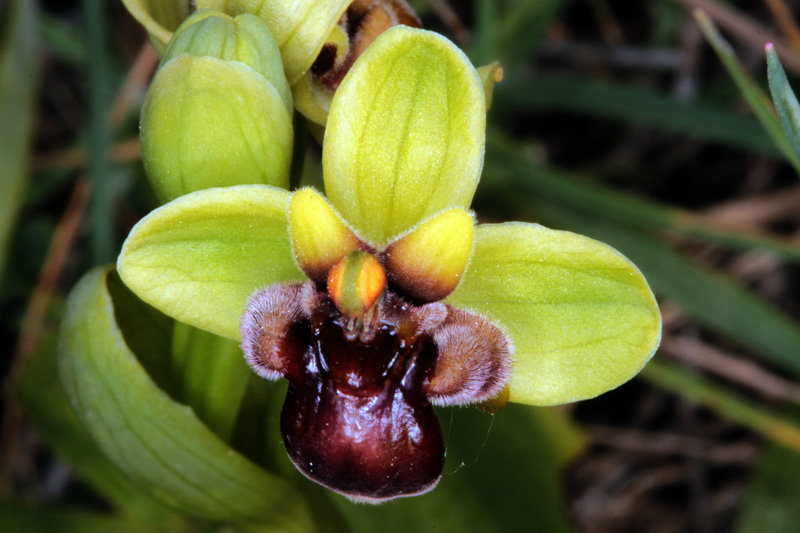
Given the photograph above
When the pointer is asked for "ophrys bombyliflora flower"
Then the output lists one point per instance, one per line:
(402, 155)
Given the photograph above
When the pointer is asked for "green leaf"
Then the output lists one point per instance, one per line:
(723, 401)
(784, 99)
(405, 134)
(102, 237)
(523, 25)
(61, 38)
(18, 80)
(632, 104)
(47, 406)
(212, 376)
(200, 257)
(558, 187)
(580, 316)
(158, 443)
(757, 99)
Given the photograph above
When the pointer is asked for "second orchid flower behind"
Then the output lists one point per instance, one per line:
(386, 299)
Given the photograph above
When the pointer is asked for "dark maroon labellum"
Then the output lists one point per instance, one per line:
(358, 417)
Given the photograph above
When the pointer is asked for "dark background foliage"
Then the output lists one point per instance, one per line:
(615, 119)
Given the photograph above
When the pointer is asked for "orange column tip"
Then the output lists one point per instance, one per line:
(355, 282)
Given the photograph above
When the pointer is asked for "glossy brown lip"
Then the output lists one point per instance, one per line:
(358, 417)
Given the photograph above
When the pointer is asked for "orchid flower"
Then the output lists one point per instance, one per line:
(385, 298)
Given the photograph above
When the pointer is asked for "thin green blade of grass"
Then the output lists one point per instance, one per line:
(505, 163)
(101, 238)
(723, 401)
(710, 298)
(483, 49)
(62, 39)
(784, 99)
(18, 80)
(636, 105)
(522, 25)
(758, 100)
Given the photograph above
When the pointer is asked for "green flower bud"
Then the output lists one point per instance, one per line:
(218, 112)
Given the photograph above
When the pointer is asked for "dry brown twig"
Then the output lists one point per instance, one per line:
(63, 239)
(733, 368)
(757, 210)
(122, 152)
(645, 442)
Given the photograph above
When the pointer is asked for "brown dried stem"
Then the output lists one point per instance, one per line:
(733, 368)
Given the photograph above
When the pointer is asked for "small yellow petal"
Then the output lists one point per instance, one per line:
(319, 236)
(427, 263)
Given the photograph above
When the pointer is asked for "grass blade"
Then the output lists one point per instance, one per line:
(505, 163)
(723, 402)
(757, 99)
(18, 70)
(100, 207)
(636, 105)
(785, 101)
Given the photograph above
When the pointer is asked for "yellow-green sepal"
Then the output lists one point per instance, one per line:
(580, 316)
(428, 262)
(319, 235)
(313, 102)
(405, 134)
(198, 258)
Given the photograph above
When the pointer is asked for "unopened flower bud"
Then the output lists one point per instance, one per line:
(218, 112)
